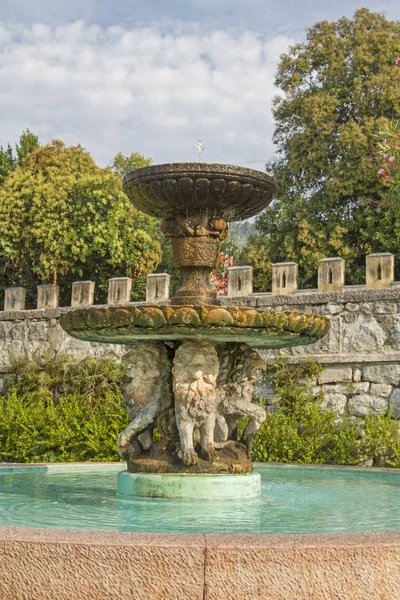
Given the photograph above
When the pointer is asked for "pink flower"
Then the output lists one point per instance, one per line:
(398, 60)
(382, 171)
(391, 159)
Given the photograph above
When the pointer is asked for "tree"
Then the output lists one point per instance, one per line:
(63, 218)
(123, 163)
(337, 89)
(8, 162)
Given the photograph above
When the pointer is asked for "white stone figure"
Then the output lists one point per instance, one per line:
(237, 374)
(146, 391)
(195, 372)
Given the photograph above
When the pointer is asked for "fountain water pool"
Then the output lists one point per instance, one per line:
(294, 499)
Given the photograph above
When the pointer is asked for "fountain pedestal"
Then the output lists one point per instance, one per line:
(203, 486)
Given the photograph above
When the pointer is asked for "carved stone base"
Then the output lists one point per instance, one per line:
(185, 403)
(231, 458)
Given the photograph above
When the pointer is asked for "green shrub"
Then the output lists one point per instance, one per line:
(53, 410)
(381, 440)
(301, 431)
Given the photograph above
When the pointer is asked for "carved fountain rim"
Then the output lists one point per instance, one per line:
(127, 323)
(166, 202)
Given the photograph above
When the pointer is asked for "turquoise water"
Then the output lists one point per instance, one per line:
(294, 500)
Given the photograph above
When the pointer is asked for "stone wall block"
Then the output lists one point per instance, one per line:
(264, 389)
(284, 278)
(381, 389)
(119, 290)
(352, 307)
(336, 401)
(332, 341)
(357, 374)
(367, 308)
(82, 293)
(332, 309)
(48, 296)
(349, 389)
(157, 287)
(394, 332)
(331, 275)
(383, 373)
(335, 375)
(365, 404)
(385, 308)
(364, 335)
(14, 298)
(379, 270)
(395, 403)
(240, 281)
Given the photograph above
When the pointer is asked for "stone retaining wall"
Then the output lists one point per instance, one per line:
(32, 333)
(360, 353)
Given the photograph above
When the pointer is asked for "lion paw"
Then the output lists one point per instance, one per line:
(190, 458)
(208, 453)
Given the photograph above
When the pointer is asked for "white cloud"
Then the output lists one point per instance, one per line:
(141, 89)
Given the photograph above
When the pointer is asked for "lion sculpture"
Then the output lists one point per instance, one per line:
(147, 393)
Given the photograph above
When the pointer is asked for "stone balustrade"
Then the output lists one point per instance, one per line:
(331, 278)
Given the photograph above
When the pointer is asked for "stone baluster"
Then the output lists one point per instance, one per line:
(48, 296)
(379, 270)
(157, 287)
(240, 281)
(331, 274)
(119, 290)
(82, 293)
(14, 298)
(284, 278)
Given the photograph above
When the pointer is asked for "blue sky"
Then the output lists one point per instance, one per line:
(152, 75)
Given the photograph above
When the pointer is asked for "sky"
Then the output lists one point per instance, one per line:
(153, 76)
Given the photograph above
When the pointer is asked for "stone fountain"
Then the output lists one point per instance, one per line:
(193, 363)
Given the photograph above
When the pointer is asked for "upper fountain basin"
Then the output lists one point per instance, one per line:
(229, 191)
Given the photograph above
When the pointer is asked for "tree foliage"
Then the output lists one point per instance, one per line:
(337, 89)
(63, 218)
(123, 163)
(8, 161)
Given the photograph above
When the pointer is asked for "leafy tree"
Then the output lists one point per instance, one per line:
(8, 162)
(123, 163)
(337, 89)
(63, 218)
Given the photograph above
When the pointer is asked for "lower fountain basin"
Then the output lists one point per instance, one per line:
(186, 485)
(53, 522)
(294, 500)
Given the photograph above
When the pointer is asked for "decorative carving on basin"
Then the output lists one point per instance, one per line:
(199, 188)
(126, 324)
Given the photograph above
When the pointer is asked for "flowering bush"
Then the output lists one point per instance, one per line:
(389, 155)
(219, 277)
